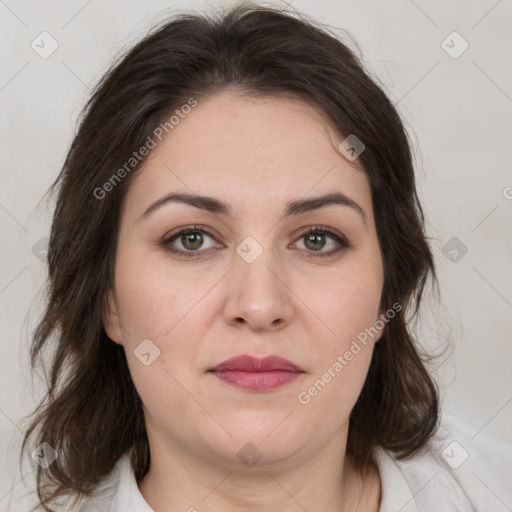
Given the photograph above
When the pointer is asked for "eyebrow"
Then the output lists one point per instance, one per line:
(215, 206)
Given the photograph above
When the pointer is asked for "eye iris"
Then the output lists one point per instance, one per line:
(195, 239)
(317, 239)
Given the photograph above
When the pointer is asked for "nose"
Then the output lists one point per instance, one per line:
(258, 295)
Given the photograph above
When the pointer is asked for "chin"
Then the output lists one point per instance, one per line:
(260, 441)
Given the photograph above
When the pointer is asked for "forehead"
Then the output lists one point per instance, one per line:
(252, 152)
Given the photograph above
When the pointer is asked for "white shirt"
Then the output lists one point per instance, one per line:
(460, 472)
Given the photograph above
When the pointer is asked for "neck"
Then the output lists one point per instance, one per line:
(328, 481)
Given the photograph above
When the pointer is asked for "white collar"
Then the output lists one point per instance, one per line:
(128, 498)
(396, 493)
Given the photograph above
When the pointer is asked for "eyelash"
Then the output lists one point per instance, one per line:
(342, 241)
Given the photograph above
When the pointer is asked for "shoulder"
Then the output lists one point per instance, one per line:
(23, 496)
(459, 470)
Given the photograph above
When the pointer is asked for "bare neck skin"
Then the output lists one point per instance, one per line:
(326, 481)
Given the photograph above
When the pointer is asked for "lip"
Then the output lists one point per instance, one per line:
(255, 374)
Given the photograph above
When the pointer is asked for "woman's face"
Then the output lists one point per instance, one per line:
(250, 281)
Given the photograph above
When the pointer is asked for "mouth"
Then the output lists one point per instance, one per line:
(250, 373)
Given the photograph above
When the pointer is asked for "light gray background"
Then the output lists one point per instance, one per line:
(459, 111)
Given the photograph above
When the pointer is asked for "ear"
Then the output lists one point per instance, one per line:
(110, 319)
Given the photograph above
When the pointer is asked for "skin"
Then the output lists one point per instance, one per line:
(256, 154)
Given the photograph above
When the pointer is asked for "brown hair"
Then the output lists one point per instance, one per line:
(91, 413)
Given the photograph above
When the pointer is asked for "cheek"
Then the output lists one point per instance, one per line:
(348, 303)
(162, 305)
(328, 398)
(347, 299)
(344, 355)
(352, 309)
(154, 301)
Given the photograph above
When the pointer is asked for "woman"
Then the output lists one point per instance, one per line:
(236, 252)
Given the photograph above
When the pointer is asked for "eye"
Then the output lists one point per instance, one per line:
(188, 241)
(316, 239)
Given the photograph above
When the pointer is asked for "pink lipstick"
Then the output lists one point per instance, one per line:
(251, 373)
